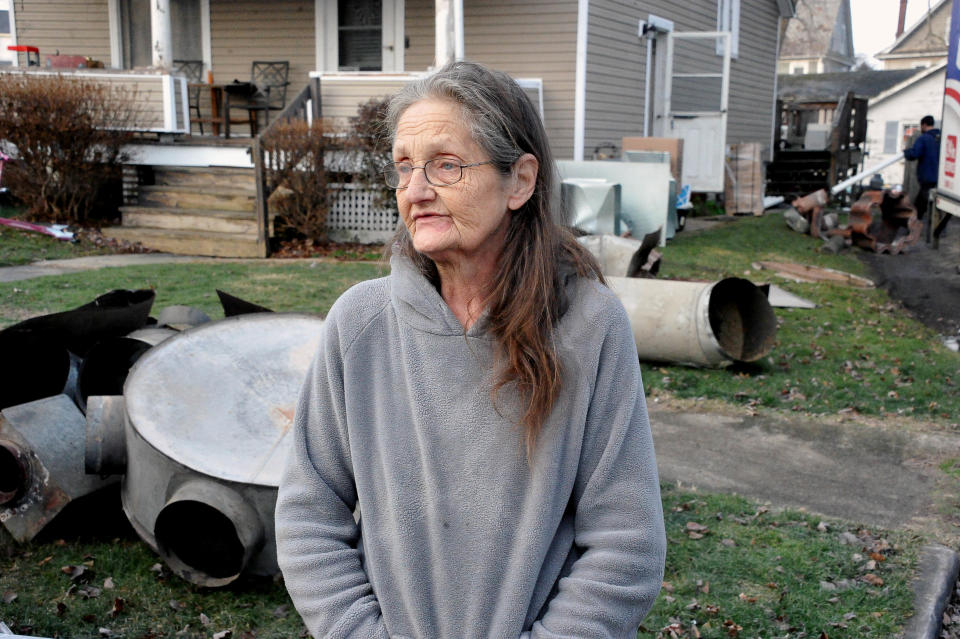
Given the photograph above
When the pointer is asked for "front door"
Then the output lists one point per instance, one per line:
(136, 38)
(695, 94)
(361, 35)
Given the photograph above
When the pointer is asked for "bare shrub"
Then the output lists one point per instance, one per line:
(370, 139)
(68, 135)
(297, 176)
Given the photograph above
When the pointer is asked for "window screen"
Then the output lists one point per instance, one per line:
(4, 21)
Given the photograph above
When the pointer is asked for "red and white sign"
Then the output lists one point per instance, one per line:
(950, 165)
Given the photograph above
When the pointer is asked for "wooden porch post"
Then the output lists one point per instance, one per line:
(448, 31)
(161, 33)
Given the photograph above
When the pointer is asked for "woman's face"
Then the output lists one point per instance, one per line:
(460, 222)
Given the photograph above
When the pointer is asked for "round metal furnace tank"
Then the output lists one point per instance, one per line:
(207, 420)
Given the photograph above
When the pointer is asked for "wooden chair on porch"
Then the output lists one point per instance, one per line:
(192, 70)
(270, 79)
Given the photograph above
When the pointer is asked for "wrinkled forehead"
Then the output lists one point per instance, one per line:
(432, 125)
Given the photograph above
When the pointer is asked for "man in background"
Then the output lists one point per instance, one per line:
(926, 151)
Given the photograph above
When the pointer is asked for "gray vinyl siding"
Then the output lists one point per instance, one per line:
(532, 39)
(419, 25)
(616, 58)
(72, 27)
(616, 65)
(752, 75)
(242, 31)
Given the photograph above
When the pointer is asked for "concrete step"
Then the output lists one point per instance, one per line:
(189, 242)
(195, 197)
(191, 219)
(204, 177)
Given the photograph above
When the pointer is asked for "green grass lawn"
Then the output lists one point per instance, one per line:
(734, 569)
(22, 247)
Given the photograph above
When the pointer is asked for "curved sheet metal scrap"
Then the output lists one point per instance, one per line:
(233, 306)
(181, 317)
(41, 353)
(115, 313)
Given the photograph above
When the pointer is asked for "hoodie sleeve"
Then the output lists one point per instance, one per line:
(618, 523)
(318, 541)
(916, 151)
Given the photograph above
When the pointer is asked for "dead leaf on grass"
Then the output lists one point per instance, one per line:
(61, 608)
(204, 620)
(872, 579)
(118, 605)
(89, 592)
(223, 634)
(108, 584)
(9, 596)
(177, 605)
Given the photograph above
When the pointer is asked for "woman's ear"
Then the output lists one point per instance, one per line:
(524, 180)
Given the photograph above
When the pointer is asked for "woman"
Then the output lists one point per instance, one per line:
(481, 407)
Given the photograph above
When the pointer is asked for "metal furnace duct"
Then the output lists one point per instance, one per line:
(104, 370)
(207, 414)
(41, 463)
(697, 323)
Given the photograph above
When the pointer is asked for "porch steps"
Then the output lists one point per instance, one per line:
(189, 242)
(194, 211)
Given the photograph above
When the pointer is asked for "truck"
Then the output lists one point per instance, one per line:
(947, 199)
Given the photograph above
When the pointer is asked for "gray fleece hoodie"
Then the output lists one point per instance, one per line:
(461, 537)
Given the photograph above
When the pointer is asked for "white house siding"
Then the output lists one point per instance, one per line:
(906, 107)
(242, 31)
(532, 39)
(342, 94)
(616, 57)
(72, 27)
(419, 27)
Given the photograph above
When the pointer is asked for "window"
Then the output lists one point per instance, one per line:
(359, 31)
(4, 21)
(728, 19)
(799, 69)
(890, 131)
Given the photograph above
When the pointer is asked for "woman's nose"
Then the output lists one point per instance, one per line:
(419, 189)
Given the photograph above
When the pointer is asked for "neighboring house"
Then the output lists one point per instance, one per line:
(819, 39)
(597, 77)
(893, 117)
(924, 44)
(7, 58)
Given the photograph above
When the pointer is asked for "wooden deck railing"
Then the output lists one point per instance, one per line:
(304, 107)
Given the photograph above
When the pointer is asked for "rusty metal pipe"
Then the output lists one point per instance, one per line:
(208, 533)
(697, 323)
(14, 472)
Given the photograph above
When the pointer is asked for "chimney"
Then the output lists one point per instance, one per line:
(902, 18)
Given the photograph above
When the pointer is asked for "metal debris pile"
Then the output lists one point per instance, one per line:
(192, 414)
(880, 221)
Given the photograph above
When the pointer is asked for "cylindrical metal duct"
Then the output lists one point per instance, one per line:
(105, 368)
(208, 533)
(35, 366)
(697, 323)
(106, 449)
(41, 450)
(207, 419)
(14, 472)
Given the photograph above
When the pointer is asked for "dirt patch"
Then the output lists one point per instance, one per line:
(926, 281)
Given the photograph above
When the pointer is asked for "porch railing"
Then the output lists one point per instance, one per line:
(305, 107)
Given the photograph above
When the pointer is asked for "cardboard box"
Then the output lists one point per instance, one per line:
(744, 179)
(674, 146)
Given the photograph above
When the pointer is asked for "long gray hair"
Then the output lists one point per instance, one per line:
(527, 298)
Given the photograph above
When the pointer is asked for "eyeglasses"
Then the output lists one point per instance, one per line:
(439, 172)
